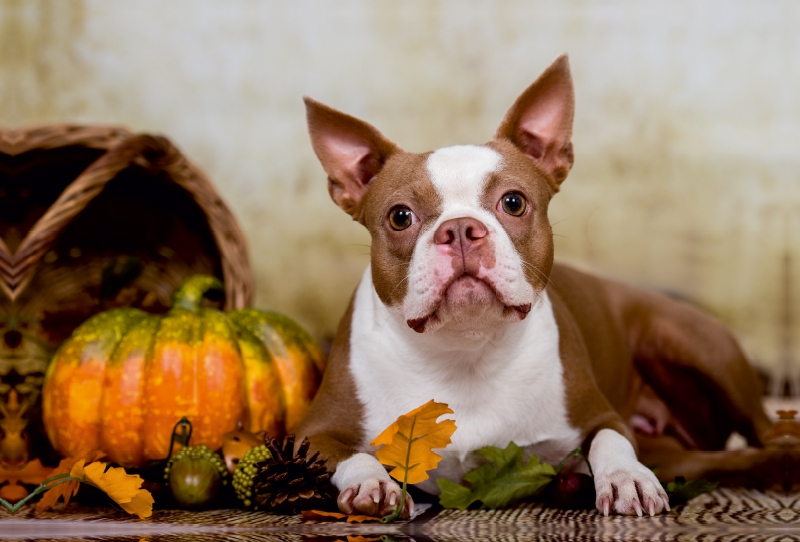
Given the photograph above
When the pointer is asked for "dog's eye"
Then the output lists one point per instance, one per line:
(513, 203)
(401, 218)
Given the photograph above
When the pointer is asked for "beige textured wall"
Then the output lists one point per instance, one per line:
(687, 132)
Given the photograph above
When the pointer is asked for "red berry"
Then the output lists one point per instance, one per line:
(574, 491)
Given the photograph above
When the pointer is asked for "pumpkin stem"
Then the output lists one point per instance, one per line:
(181, 434)
(190, 293)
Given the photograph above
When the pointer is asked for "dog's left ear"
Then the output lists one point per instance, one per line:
(540, 121)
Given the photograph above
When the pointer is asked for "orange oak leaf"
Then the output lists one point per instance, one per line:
(67, 490)
(122, 487)
(409, 442)
(31, 473)
(362, 519)
(321, 515)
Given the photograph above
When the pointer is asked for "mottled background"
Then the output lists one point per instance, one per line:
(687, 175)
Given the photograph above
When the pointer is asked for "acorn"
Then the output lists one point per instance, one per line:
(246, 469)
(194, 475)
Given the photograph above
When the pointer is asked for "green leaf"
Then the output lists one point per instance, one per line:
(500, 482)
(453, 495)
(680, 491)
(503, 457)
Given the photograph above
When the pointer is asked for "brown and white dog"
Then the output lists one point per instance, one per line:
(463, 304)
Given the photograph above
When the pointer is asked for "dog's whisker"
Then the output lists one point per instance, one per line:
(390, 294)
(398, 285)
(541, 273)
(543, 299)
(535, 269)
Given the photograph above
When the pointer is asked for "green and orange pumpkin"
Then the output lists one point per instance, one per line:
(125, 377)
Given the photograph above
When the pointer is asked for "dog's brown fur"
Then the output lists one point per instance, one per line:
(624, 351)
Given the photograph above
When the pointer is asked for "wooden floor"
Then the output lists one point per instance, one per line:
(724, 515)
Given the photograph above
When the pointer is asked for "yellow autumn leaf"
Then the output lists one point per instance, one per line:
(122, 487)
(409, 442)
(141, 504)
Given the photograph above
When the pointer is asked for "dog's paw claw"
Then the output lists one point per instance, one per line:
(373, 497)
(624, 491)
(603, 505)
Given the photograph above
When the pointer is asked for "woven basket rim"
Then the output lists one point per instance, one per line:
(124, 149)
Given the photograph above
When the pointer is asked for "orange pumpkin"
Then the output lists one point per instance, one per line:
(125, 377)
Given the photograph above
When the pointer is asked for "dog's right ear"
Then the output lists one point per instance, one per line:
(351, 151)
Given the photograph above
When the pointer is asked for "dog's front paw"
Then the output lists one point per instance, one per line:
(630, 491)
(623, 485)
(374, 497)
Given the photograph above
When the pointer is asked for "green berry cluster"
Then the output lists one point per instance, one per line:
(199, 452)
(245, 471)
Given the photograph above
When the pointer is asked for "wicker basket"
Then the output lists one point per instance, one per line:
(81, 201)
(93, 218)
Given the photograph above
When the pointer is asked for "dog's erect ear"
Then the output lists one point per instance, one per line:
(352, 152)
(540, 121)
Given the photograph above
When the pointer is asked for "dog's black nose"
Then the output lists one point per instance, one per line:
(12, 338)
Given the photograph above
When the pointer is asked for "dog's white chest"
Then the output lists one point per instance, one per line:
(507, 390)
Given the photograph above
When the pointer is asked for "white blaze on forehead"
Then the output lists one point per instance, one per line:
(460, 173)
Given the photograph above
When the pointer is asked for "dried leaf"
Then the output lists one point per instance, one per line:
(362, 519)
(500, 482)
(67, 490)
(122, 487)
(409, 442)
(321, 515)
(141, 504)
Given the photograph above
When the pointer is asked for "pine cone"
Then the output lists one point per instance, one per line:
(289, 482)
